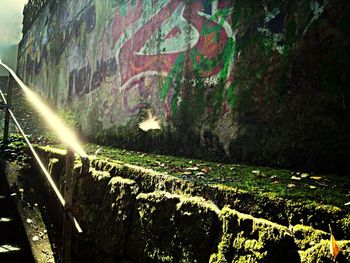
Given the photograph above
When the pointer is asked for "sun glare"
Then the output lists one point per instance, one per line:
(64, 133)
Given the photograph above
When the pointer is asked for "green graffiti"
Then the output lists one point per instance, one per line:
(222, 14)
(201, 64)
(174, 76)
(230, 96)
(123, 8)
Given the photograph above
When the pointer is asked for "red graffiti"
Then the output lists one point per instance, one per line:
(134, 63)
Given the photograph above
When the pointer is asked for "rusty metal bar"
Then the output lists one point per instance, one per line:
(7, 109)
(68, 196)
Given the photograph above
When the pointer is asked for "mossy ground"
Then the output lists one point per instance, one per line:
(327, 189)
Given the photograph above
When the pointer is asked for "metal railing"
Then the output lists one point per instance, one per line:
(66, 201)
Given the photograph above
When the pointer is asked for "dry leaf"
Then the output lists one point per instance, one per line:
(291, 185)
(295, 178)
(256, 172)
(316, 177)
(195, 168)
(312, 187)
(304, 175)
(333, 246)
(205, 169)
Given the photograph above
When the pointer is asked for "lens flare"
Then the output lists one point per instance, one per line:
(151, 123)
(66, 135)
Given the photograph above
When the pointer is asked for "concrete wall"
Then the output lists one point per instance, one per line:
(252, 81)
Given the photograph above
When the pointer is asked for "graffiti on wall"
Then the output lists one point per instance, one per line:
(140, 53)
(153, 46)
(68, 28)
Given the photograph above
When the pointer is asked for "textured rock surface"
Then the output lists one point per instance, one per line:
(146, 216)
(172, 228)
(116, 214)
(320, 253)
(248, 239)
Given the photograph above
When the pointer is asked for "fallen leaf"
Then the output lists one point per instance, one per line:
(35, 238)
(29, 221)
(323, 184)
(256, 172)
(199, 174)
(316, 177)
(195, 168)
(348, 203)
(333, 246)
(295, 178)
(186, 173)
(312, 187)
(291, 185)
(304, 175)
(205, 169)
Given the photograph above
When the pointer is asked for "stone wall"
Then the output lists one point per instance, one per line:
(264, 82)
(129, 212)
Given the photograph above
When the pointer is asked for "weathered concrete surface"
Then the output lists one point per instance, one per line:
(250, 81)
(249, 239)
(129, 211)
(116, 215)
(173, 228)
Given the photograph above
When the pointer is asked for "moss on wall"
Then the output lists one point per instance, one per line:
(152, 216)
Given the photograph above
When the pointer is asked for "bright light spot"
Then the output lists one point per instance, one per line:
(65, 134)
(5, 220)
(8, 248)
(151, 123)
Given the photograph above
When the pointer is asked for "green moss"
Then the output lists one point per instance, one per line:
(247, 238)
(53, 150)
(320, 253)
(200, 204)
(306, 237)
(120, 180)
(260, 191)
(99, 175)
